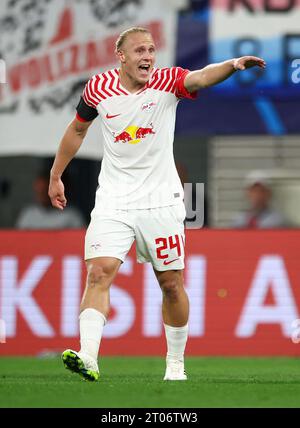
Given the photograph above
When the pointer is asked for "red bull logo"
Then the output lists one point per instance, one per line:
(133, 134)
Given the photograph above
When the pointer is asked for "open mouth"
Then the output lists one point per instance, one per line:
(144, 68)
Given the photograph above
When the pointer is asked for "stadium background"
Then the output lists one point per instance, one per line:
(244, 285)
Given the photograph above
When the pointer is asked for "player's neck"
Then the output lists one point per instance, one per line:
(130, 84)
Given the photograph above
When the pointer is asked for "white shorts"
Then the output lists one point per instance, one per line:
(159, 235)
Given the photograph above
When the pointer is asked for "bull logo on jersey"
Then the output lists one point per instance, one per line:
(148, 106)
(133, 134)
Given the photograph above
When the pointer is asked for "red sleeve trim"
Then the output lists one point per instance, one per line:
(80, 118)
(181, 91)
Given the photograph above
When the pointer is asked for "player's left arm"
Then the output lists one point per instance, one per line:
(216, 73)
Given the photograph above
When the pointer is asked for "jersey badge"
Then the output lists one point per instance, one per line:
(148, 106)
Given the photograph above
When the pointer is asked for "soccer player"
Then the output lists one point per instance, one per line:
(140, 196)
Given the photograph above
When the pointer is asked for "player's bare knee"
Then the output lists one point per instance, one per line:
(98, 276)
(170, 289)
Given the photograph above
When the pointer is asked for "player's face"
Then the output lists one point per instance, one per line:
(138, 57)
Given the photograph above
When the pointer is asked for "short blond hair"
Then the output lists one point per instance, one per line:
(123, 36)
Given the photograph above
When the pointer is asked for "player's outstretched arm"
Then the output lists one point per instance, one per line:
(69, 145)
(216, 73)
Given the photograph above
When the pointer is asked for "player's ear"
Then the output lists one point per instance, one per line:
(120, 55)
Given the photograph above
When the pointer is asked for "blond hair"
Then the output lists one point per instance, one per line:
(123, 36)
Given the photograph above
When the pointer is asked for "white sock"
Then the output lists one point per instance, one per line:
(91, 323)
(176, 341)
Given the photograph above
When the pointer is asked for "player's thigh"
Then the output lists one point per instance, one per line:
(109, 235)
(160, 238)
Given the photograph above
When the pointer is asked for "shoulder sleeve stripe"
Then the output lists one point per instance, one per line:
(172, 80)
(155, 77)
(97, 88)
(159, 79)
(165, 80)
(93, 89)
(90, 95)
(104, 85)
(87, 95)
(112, 83)
(173, 87)
(107, 85)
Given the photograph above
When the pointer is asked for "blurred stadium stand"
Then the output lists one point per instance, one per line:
(17, 174)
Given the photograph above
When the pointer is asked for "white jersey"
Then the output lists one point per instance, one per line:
(138, 168)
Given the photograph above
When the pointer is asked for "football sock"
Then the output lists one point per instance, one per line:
(176, 341)
(91, 323)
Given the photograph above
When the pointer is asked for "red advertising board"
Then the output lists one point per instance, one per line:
(244, 289)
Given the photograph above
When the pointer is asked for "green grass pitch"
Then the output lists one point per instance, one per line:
(137, 382)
